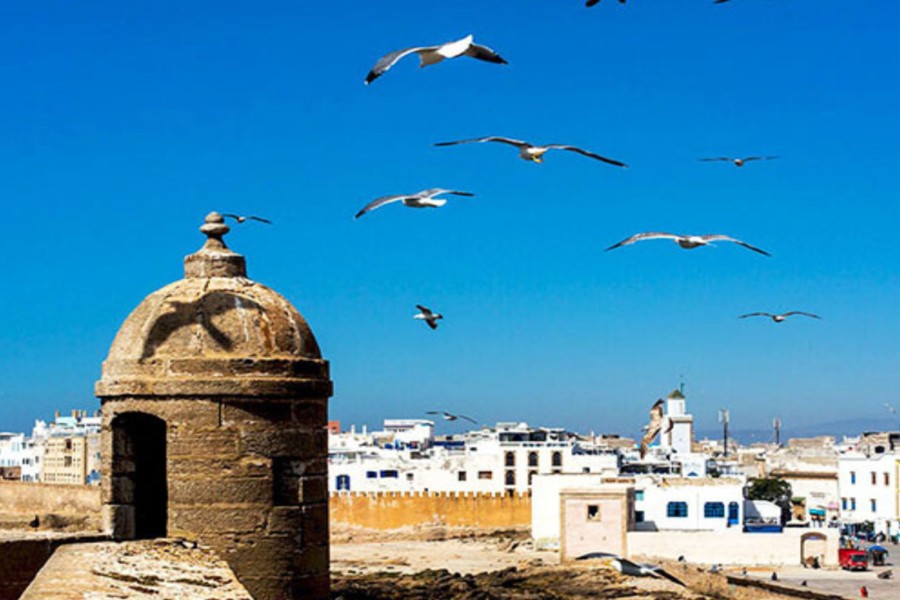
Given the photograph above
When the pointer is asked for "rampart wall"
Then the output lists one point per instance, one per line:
(67, 506)
(386, 512)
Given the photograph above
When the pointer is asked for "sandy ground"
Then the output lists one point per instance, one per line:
(457, 556)
(508, 567)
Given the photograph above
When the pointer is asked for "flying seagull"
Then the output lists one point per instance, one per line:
(533, 152)
(657, 421)
(593, 2)
(780, 318)
(450, 416)
(423, 199)
(430, 55)
(429, 316)
(687, 242)
(738, 162)
(242, 219)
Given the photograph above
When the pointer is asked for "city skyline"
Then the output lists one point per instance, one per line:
(117, 145)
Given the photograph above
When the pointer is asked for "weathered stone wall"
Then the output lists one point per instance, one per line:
(246, 477)
(387, 511)
(78, 504)
(22, 556)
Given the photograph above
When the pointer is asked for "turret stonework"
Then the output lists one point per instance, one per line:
(215, 400)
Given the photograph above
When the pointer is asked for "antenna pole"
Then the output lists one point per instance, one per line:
(725, 417)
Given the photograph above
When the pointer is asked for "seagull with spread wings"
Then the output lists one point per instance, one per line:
(688, 242)
(430, 55)
(658, 420)
(533, 152)
(423, 199)
(780, 318)
(627, 567)
(428, 315)
(738, 162)
(243, 219)
(450, 416)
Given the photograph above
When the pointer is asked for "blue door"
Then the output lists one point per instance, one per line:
(734, 515)
(343, 482)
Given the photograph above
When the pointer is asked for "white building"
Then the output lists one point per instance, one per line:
(868, 488)
(496, 460)
(660, 503)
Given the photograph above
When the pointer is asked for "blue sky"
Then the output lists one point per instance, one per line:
(124, 123)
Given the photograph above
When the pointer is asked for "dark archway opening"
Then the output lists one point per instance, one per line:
(139, 472)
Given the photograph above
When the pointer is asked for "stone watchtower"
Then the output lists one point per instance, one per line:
(215, 400)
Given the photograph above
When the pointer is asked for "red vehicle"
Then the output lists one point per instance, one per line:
(853, 560)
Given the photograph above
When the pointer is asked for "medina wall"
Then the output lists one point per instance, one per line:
(737, 548)
(426, 514)
(71, 506)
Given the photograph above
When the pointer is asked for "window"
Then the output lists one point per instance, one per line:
(852, 477)
(531, 475)
(389, 474)
(285, 480)
(485, 475)
(874, 478)
(68, 444)
(852, 503)
(677, 509)
(510, 459)
(343, 482)
(371, 474)
(410, 476)
(843, 504)
(68, 461)
(461, 476)
(593, 512)
(638, 516)
(556, 459)
(510, 478)
(887, 479)
(638, 495)
(873, 505)
(585, 469)
(532, 459)
(714, 510)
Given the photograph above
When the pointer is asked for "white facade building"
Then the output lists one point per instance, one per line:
(503, 459)
(660, 503)
(868, 489)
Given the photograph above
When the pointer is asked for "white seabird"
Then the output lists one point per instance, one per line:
(423, 199)
(430, 55)
(738, 162)
(658, 421)
(243, 219)
(450, 416)
(428, 316)
(533, 152)
(687, 242)
(779, 318)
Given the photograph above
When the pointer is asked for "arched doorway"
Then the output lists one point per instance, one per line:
(813, 547)
(139, 472)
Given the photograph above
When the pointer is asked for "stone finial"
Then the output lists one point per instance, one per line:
(214, 259)
(215, 229)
